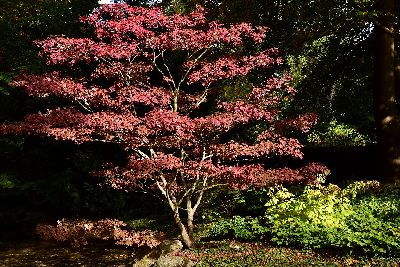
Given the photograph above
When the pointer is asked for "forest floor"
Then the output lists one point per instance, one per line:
(233, 253)
(41, 253)
(212, 253)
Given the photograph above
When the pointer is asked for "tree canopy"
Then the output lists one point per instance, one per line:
(148, 81)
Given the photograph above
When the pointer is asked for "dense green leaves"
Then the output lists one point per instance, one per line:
(363, 217)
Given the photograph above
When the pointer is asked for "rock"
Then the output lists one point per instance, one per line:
(144, 262)
(173, 261)
(161, 256)
(169, 246)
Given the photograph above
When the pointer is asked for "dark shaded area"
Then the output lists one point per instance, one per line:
(53, 254)
(346, 163)
(22, 22)
(43, 180)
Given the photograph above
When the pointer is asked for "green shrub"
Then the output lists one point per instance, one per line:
(226, 203)
(360, 217)
(375, 225)
(311, 219)
(335, 133)
(240, 228)
(363, 217)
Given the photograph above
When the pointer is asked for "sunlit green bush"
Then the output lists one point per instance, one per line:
(363, 217)
(335, 133)
(360, 217)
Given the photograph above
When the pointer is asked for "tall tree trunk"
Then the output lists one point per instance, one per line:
(385, 106)
(397, 57)
(397, 75)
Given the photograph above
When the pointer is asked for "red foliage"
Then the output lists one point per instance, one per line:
(80, 232)
(142, 82)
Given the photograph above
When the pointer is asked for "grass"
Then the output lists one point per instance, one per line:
(233, 253)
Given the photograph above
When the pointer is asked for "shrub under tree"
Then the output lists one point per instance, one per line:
(149, 82)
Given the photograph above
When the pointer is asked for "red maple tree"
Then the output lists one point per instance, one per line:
(144, 81)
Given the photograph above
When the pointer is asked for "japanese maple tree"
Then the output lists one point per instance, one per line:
(145, 80)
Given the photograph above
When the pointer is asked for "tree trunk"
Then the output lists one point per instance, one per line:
(397, 62)
(186, 232)
(397, 77)
(190, 223)
(385, 106)
(187, 238)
